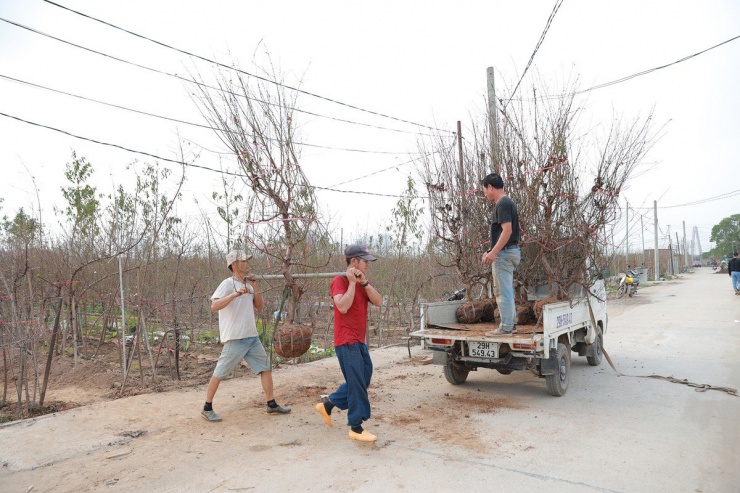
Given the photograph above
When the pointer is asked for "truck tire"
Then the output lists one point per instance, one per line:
(455, 374)
(557, 384)
(504, 371)
(598, 354)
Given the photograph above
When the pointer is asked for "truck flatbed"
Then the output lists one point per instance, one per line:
(576, 325)
(481, 328)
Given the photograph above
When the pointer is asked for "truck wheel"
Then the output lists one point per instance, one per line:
(455, 374)
(596, 359)
(557, 384)
(504, 371)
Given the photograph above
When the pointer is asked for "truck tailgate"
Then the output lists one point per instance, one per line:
(478, 332)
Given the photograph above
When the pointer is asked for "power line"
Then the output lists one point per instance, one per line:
(555, 9)
(154, 115)
(199, 84)
(385, 169)
(700, 201)
(302, 91)
(703, 201)
(645, 72)
(629, 77)
(376, 172)
(183, 163)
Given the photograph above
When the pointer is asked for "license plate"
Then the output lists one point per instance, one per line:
(480, 349)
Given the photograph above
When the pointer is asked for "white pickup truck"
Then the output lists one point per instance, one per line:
(543, 348)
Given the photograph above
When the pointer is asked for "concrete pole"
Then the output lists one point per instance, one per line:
(678, 254)
(656, 275)
(493, 119)
(627, 238)
(685, 257)
(123, 320)
(460, 156)
(642, 235)
(614, 253)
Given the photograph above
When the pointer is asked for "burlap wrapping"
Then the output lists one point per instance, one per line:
(291, 341)
(476, 311)
(541, 303)
(524, 314)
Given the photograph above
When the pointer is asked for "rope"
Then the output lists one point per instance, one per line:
(286, 293)
(698, 387)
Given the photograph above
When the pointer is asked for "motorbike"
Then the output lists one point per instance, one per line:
(628, 283)
(457, 295)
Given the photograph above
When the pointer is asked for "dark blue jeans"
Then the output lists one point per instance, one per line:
(357, 368)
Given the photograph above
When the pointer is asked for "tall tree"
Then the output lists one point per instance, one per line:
(565, 184)
(254, 118)
(726, 235)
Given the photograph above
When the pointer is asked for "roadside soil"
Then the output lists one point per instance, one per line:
(609, 433)
(92, 380)
(98, 379)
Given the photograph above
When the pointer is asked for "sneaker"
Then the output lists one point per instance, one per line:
(210, 416)
(278, 410)
(500, 331)
(365, 436)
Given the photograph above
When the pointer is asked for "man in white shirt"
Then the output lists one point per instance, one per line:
(235, 300)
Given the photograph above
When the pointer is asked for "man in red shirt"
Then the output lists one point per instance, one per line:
(351, 293)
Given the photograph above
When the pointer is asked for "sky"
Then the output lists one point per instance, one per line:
(420, 61)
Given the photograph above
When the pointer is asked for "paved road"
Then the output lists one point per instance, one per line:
(494, 433)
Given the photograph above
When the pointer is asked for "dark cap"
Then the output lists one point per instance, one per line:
(358, 251)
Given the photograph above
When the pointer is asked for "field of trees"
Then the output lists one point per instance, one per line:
(124, 267)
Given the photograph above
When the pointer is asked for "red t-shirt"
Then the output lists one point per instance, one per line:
(350, 327)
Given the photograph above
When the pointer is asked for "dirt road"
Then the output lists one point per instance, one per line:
(608, 433)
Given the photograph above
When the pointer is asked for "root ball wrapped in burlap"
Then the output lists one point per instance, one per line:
(292, 341)
(477, 311)
(539, 304)
(524, 314)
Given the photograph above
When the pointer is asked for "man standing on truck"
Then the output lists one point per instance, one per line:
(351, 293)
(504, 252)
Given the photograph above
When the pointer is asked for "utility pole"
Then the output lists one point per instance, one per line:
(642, 235)
(493, 119)
(678, 253)
(627, 237)
(614, 256)
(459, 151)
(656, 266)
(123, 321)
(685, 257)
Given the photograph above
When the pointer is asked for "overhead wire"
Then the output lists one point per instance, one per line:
(184, 122)
(199, 84)
(645, 72)
(378, 172)
(555, 9)
(183, 163)
(722, 196)
(388, 168)
(626, 78)
(264, 79)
